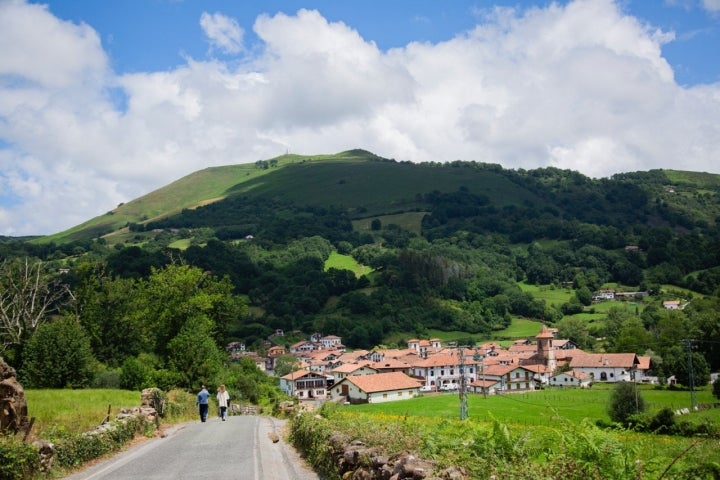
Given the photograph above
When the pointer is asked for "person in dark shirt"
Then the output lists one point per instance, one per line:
(202, 402)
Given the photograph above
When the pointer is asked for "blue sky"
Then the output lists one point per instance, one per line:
(104, 101)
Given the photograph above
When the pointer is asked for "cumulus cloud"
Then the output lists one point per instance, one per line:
(711, 5)
(223, 32)
(581, 86)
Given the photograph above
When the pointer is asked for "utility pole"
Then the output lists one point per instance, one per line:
(691, 377)
(463, 393)
(478, 358)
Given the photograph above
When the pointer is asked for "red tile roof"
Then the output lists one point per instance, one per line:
(383, 382)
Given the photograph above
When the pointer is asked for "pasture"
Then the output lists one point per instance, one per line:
(540, 407)
(410, 221)
(346, 262)
(76, 410)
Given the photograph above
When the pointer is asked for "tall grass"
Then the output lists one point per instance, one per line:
(77, 411)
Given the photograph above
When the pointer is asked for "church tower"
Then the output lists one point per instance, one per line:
(545, 348)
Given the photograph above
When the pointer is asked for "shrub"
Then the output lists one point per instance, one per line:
(17, 460)
(72, 450)
(663, 421)
(107, 379)
(625, 401)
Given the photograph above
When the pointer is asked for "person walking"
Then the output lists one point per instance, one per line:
(223, 399)
(202, 403)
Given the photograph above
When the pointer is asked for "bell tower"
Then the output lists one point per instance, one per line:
(544, 347)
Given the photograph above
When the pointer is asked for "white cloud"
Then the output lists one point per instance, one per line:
(711, 5)
(223, 32)
(581, 86)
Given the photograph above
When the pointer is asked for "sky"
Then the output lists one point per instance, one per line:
(102, 102)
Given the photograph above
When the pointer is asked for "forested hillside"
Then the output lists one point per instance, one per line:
(450, 249)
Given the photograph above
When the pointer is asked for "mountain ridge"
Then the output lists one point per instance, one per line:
(364, 184)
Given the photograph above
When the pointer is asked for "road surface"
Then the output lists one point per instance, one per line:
(240, 448)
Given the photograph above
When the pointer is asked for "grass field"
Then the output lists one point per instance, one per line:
(76, 410)
(346, 262)
(410, 221)
(540, 408)
(519, 328)
(552, 296)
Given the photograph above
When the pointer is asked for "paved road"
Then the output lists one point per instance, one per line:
(240, 448)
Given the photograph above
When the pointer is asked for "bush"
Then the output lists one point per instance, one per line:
(72, 450)
(625, 401)
(663, 421)
(107, 379)
(17, 460)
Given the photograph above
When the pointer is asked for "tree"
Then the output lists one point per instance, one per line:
(193, 353)
(27, 297)
(59, 356)
(286, 364)
(625, 401)
(676, 363)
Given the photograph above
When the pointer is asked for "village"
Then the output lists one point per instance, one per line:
(330, 373)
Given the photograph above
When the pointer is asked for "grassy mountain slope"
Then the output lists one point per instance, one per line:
(365, 185)
(358, 181)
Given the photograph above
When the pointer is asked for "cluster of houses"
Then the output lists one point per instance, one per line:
(381, 375)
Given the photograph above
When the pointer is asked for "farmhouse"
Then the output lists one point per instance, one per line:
(347, 369)
(607, 367)
(571, 378)
(485, 387)
(378, 388)
(511, 378)
(304, 384)
(671, 305)
(443, 370)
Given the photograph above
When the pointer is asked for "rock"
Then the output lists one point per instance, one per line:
(13, 406)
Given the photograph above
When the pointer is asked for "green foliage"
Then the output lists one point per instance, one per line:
(248, 384)
(194, 354)
(72, 450)
(58, 356)
(18, 460)
(625, 401)
(136, 373)
(286, 364)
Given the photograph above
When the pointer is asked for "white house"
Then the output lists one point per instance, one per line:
(348, 369)
(512, 378)
(607, 367)
(439, 370)
(571, 378)
(378, 388)
(304, 384)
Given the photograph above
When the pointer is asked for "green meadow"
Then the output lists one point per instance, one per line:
(76, 410)
(346, 262)
(410, 221)
(540, 407)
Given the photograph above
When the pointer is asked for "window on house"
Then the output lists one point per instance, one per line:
(452, 371)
